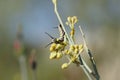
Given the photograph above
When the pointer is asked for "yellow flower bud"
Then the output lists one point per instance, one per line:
(76, 46)
(53, 45)
(65, 65)
(69, 20)
(52, 49)
(66, 52)
(76, 51)
(67, 23)
(73, 58)
(72, 32)
(65, 43)
(72, 48)
(81, 50)
(74, 19)
(80, 46)
(58, 46)
(53, 55)
(59, 55)
(54, 2)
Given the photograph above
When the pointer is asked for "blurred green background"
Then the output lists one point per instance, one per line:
(100, 20)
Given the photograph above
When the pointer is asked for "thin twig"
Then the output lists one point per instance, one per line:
(95, 73)
(94, 65)
(84, 68)
(60, 20)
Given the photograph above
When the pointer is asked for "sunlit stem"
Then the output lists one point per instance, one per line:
(84, 69)
(60, 20)
(90, 55)
(86, 66)
(84, 41)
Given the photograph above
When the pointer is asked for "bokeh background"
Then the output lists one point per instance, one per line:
(100, 20)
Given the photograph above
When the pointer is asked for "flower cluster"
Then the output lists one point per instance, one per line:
(72, 51)
(57, 50)
(65, 45)
(71, 22)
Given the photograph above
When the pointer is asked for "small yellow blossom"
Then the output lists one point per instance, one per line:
(65, 65)
(76, 46)
(65, 43)
(73, 59)
(54, 2)
(52, 49)
(80, 46)
(74, 19)
(72, 48)
(71, 21)
(66, 52)
(58, 46)
(53, 55)
(59, 55)
(72, 32)
(53, 45)
(76, 51)
(81, 50)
